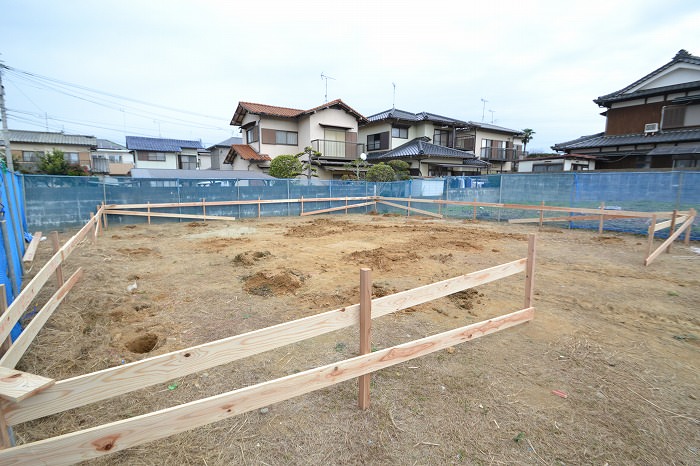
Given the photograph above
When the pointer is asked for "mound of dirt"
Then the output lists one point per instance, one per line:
(250, 257)
(466, 299)
(272, 284)
(381, 258)
(138, 251)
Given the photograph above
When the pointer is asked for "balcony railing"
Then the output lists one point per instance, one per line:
(338, 149)
(499, 154)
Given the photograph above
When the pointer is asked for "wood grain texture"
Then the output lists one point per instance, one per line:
(333, 209)
(530, 270)
(666, 244)
(96, 386)
(167, 215)
(20, 345)
(411, 209)
(365, 332)
(116, 436)
(17, 385)
(32, 248)
(220, 203)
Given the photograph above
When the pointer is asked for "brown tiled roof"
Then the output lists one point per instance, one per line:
(285, 112)
(245, 152)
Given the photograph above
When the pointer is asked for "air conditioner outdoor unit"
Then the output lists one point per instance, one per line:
(651, 128)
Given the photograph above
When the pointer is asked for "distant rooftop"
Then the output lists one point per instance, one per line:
(41, 137)
(109, 145)
(160, 144)
(198, 174)
(227, 143)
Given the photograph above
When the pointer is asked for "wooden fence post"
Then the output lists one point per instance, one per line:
(3, 306)
(258, 206)
(691, 218)
(365, 332)
(346, 205)
(56, 246)
(91, 232)
(530, 270)
(651, 232)
(204, 209)
(602, 218)
(408, 211)
(673, 228)
(148, 211)
(474, 213)
(542, 215)
(302, 205)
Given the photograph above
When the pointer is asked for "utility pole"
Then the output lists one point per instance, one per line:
(5, 132)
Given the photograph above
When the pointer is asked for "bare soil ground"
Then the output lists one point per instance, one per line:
(620, 340)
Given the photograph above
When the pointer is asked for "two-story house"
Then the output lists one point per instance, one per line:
(433, 145)
(501, 147)
(652, 123)
(219, 151)
(168, 153)
(269, 131)
(28, 146)
(110, 158)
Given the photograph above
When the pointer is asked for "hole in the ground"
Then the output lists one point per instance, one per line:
(143, 344)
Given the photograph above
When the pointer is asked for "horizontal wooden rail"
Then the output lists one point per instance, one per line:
(572, 218)
(20, 345)
(19, 306)
(230, 203)
(333, 209)
(667, 224)
(89, 388)
(166, 215)
(17, 385)
(31, 249)
(119, 435)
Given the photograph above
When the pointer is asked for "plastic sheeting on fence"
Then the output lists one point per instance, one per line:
(14, 226)
(61, 202)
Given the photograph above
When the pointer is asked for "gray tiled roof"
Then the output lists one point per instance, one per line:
(107, 144)
(161, 145)
(675, 150)
(40, 137)
(681, 57)
(420, 147)
(600, 140)
(396, 114)
(491, 127)
(227, 143)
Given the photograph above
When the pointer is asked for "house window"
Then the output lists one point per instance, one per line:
(156, 157)
(399, 132)
(188, 162)
(71, 157)
(251, 134)
(374, 142)
(548, 167)
(493, 149)
(686, 163)
(442, 137)
(334, 142)
(31, 156)
(115, 158)
(286, 137)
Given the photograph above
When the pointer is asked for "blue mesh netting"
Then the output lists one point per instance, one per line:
(59, 202)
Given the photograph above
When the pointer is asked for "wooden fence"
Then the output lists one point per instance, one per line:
(30, 396)
(678, 223)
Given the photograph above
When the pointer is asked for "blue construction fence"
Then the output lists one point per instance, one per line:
(13, 234)
(58, 202)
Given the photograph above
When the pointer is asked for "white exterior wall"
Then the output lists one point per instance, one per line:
(205, 162)
(170, 162)
(273, 150)
(525, 166)
(247, 119)
(330, 117)
(374, 129)
(678, 74)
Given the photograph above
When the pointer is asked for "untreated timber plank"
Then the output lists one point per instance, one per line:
(31, 249)
(333, 209)
(411, 209)
(668, 241)
(572, 218)
(668, 223)
(17, 385)
(167, 215)
(116, 436)
(30, 291)
(240, 202)
(96, 386)
(18, 348)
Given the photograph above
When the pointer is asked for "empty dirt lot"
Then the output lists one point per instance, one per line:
(618, 342)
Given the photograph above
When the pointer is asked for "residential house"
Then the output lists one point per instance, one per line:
(174, 154)
(28, 146)
(220, 151)
(557, 163)
(110, 158)
(269, 131)
(425, 141)
(501, 147)
(650, 124)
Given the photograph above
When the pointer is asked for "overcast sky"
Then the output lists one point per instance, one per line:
(538, 64)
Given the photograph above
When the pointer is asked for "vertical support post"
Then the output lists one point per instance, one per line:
(14, 278)
(691, 219)
(5, 441)
(258, 206)
(673, 228)
(440, 207)
(346, 205)
(365, 332)
(408, 211)
(541, 215)
(148, 211)
(651, 232)
(530, 270)
(3, 307)
(98, 226)
(602, 218)
(474, 213)
(204, 209)
(91, 233)
(53, 236)
(302, 205)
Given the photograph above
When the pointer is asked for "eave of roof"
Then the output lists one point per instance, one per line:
(41, 137)
(402, 115)
(286, 112)
(161, 144)
(600, 140)
(421, 148)
(245, 152)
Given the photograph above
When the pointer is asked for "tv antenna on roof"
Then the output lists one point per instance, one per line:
(483, 109)
(326, 77)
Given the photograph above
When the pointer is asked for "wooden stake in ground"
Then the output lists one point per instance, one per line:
(542, 215)
(3, 306)
(530, 270)
(602, 218)
(53, 236)
(673, 228)
(365, 332)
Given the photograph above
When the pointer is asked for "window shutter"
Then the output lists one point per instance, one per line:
(674, 116)
(384, 140)
(269, 136)
(142, 155)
